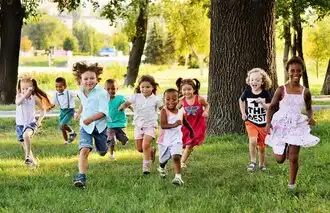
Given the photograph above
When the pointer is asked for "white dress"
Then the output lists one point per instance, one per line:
(289, 125)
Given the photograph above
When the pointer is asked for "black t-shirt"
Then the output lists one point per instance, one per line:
(255, 112)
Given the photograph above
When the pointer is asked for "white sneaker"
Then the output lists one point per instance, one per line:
(292, 186)
(183, 165)
(112, 157)
(146, 168)
(162, 172)
(177, 181)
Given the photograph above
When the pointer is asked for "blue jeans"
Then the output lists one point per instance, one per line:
(100, 140)
(20, 129)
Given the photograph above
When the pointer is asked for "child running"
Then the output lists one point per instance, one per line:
(65, 100)
(28, 96)
(170, 137)
(93, 113)
(253, 103)
(145, 104)
(289, 129)
(196, 109)
(118, 121)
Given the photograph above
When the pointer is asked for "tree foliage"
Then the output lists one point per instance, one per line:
(120, 41)
(154, 51)
(26, 44)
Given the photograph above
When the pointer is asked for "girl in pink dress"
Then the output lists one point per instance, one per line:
(196, 109)
(288, 128)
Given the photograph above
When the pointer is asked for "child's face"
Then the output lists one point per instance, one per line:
(25, 87)
(146, 88)
(171, 99)
(295, 71)
(60, 87)
(111, 89)
(187, 91)
(88, 80)
(255, 80)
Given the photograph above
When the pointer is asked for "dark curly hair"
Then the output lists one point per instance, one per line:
(192, 82)
(81, 67)
(149, 79)
(295, 60)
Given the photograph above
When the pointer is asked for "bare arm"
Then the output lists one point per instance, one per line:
(205, 104)
(78, 112)
(163, 121)
(308, 104)
(124, 105)
(242, 107)
(42, 112)
(273, 104)
(180, 104)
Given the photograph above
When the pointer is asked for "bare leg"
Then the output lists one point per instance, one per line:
(252, 149)
(146, 145)
(177, 163)
(262, 156)
(64, 133)
(112, 149)
(138, 145)
(294, 162)
(186, 153)
(83, 160)
(27, 143)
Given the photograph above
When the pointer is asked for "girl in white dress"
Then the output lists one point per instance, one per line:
(288, 128)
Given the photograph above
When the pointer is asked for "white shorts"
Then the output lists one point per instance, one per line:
(166, 152)
(140, 131)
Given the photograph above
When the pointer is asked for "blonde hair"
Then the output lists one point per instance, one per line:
(267, 82)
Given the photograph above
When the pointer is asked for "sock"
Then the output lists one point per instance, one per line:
(146, 161)
(178, 176)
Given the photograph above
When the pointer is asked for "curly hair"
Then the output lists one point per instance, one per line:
(81, 67)
(192, 82)
(267, 82)
(295, 60)
(147, 78)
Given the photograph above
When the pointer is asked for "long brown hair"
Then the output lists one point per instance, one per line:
(149, 79)
(194, 83)
(36, 91)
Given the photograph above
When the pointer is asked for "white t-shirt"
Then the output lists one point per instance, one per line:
(25, 112)
(145, 109)
(65, 100)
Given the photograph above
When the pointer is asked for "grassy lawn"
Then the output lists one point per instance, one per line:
(42, 61)
(215, 180)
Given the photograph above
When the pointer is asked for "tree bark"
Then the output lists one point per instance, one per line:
(138, 44)
(287, 48)
(298, 41)
(10, 33)
(239, 42)
(326, 84)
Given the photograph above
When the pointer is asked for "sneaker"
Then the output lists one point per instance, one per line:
(153, 154)
(72, 136)
(30, 162)
(112, 157)
(177, 181)
(292, 186)
(162, 172)
(263, 168)
(183, 165)
(251, 167)
(79, 180)
(146, 168)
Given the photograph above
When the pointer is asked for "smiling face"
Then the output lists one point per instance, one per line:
(255, 81)
(187, 91)
(146, 88)
(171, 99)
(295, 72)
(60, 87)
(111, 89)
(88, 80)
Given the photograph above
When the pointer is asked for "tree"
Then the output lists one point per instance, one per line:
(154, 51)
(10, 37)
(120, 41)
(26, 44)
(326, 83)
(239, 42)
(169, 49)
(71, 43)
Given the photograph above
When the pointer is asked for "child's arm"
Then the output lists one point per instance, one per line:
(180, 104)
(125, 105)
(20, 97)
(93, 118)
(102, 108)
(163, 121)
(187, 125)
(308, 104)
(131, 108)
(242, 109)
(206, 106)
(272, 106)
(42, 112)
(78, 112)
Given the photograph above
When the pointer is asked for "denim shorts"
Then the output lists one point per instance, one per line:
(20, 129)
(100, 140)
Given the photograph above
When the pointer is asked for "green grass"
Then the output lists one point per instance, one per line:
(215, 180)
(42, 61)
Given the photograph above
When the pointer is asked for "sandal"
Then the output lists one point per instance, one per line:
(251, 167)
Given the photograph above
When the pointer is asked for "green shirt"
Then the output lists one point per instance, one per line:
(118, 118)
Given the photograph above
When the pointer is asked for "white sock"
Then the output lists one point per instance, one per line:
(178, 175)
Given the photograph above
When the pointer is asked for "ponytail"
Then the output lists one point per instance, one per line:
(198, 85)
(42, 95)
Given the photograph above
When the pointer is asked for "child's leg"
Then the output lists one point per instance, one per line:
(111, 141)
(262, 156)
(138, 145)
(83, 160)
(252, 149)
(146, 146)
(294, 164)
(64, 129)
(281, 158)
(177, 163)
(186, 153)
(27, 143)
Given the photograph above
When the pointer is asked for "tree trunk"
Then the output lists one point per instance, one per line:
(138, 44)
(326, 84)
(299, 35)
(239, 42)
(10, 33)
(287, 48)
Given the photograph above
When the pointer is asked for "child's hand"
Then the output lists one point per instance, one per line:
(88, 121)
(178, 123)
(121, 108)
(311, 121)
(260, 100)
(268, 127)
(192, 134)
(244, 117)
(205, 114)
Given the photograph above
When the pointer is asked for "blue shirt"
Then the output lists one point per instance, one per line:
(118, 118)
(96, 101)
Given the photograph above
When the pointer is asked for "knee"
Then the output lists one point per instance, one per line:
(261, 149)
(176, 158)
(253, 141)
(293, 158)
(62, 127)
(84, 152)
(145, 146)
(26, 136)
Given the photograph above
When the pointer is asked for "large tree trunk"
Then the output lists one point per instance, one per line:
(298, 41)
(287, 48)
(10, 33)
(239, 42)
(138, 44)
(326, 84)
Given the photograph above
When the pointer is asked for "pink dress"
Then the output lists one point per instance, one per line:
(289, 125)
(197, 122)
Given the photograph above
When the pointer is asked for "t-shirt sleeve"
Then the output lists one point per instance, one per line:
(243, 96)
(268, 97)
(159, 102)
(132, 99)
(73, 94)
(104, 103)
(54, 99)
(123, 99)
